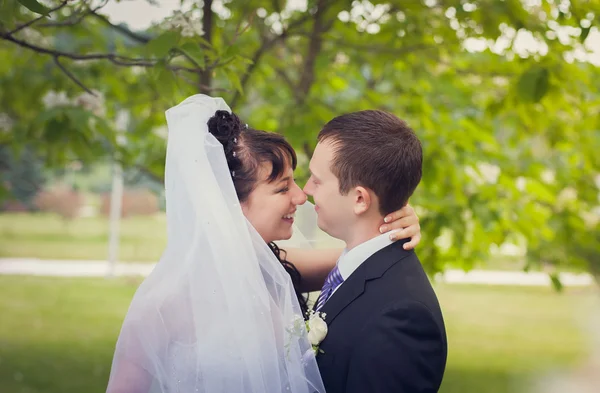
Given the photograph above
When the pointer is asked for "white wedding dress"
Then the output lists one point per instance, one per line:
(181, 362)
(218, 314)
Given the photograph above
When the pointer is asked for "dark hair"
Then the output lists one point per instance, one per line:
(294, 274)
(246, 149)
(376, 150)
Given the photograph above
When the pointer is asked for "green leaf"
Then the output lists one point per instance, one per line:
(562, 16)
(56, 130)
(34, 6)
(234, 79)
(533, 83)
(164, 79)
(556, 283)
(203, 42)
(338, 83)
(539, 191)
(79, 119)
(194, 52)
(585, 31)
(495, 106)
(230, 51)
(244, 60)
(161, 45)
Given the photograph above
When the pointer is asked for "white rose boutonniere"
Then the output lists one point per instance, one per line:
(317, 329)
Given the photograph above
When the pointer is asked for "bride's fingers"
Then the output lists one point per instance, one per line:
(408, 232)
(413, 242)
(404, 222)
(406, 211)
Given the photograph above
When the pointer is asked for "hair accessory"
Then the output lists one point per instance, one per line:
(232, 173)
(246, 125)
(234, 154)
(234, 140)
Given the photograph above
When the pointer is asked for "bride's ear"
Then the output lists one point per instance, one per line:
(362, 200)
(244, 206)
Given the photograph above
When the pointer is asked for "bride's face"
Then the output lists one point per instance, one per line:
(270, 207)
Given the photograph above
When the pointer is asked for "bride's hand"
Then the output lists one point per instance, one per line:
(407, 221)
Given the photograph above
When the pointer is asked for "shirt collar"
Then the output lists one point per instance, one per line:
(350, 260)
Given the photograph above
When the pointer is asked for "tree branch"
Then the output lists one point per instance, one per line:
(71, 76)
(144, 171)
(383, 49)
(182, 53)
(203, 87)
(121, 29)
(31, 22)
(74, 56)
(94, 13)
(315, 44)
(285, 77)
(267, 44)
(327, 105)
(244, 80)
(112, 57)
(239, 30)
(276, 6)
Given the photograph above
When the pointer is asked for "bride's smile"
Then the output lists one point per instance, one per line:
(271, 206)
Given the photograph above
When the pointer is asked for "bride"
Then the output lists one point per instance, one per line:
(222, 311)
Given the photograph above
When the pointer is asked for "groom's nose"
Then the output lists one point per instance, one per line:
(309, 188)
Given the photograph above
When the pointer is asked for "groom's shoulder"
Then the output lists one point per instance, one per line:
(394, 262)
(403, 280)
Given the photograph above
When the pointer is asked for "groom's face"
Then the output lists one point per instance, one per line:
(335, 211)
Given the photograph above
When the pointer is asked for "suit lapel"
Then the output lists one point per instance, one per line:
(374, 267)
(384, 259)
(351, 289)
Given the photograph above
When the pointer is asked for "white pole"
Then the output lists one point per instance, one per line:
(116, 197)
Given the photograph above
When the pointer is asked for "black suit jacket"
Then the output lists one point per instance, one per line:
(385, 329)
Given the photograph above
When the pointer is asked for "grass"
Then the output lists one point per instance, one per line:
(500, 338)
(47, 236)
(57, 335)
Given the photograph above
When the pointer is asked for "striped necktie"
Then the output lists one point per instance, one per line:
(334, 279)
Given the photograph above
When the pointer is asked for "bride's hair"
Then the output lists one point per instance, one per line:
(246, 149)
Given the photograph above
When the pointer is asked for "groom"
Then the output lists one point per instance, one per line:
(385, 327)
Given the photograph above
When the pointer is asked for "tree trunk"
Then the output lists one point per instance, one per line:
(207, 25)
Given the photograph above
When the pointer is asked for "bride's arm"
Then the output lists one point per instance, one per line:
(129, 378)
(137, 349)
(315, 265)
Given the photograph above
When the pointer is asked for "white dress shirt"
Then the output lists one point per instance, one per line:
(350, 260)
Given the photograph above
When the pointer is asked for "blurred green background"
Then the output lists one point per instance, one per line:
(502, 93)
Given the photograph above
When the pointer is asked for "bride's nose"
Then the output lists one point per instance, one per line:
(298, 196)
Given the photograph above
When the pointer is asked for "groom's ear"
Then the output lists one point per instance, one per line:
(362, 200)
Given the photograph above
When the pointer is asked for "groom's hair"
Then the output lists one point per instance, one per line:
(376, 150)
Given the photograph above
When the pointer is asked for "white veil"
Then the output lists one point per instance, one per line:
(218, 314)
